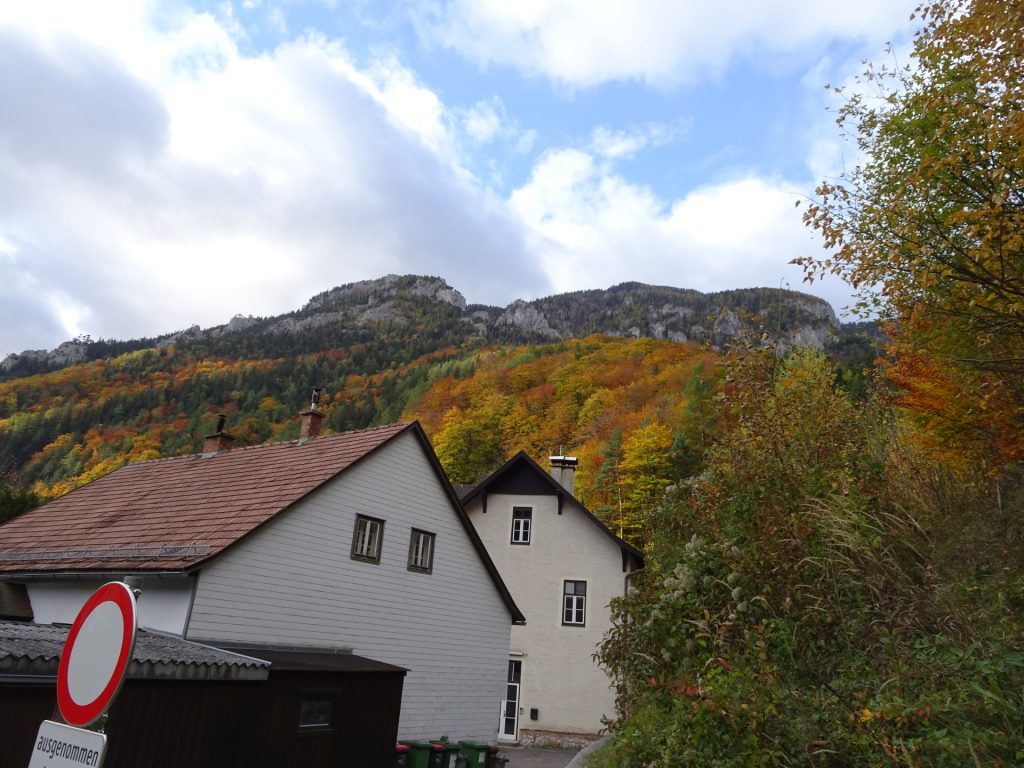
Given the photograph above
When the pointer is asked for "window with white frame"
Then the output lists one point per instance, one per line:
(421, 551)
(522, 519)
(574, 602)
(366, 540)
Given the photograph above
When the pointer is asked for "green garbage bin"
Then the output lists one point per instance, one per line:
(438, 753)
(475, 753)
(450, 753)
(419, 753)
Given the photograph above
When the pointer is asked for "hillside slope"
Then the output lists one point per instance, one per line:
(374, 347)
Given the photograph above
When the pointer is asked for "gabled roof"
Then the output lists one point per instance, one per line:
(172, 514)
(543, 482)
(175, 514)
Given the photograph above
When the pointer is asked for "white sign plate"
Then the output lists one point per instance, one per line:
(61, 746)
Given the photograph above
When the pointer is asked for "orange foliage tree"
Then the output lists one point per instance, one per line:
(622, 406)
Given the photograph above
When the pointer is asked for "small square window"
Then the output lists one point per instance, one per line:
(316, 713)
(522, 518)
(574, 603)
(421, 551)
(366, 540)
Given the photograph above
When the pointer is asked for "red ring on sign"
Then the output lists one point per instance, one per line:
(85, 714)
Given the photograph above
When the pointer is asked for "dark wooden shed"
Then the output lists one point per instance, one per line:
(186, 705)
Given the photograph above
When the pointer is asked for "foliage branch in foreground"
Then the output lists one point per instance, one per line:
(930, 224)
(821, 595)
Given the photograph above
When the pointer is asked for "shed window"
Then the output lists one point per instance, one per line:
(421, 551)
(522, 518)
(574, 603)
(367, 539)
(316, 713)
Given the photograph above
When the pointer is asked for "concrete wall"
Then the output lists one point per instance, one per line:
(294, 582)
(559, 676)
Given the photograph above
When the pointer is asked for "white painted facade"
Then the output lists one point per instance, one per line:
(163, 605)
(294, 582)
(559, 677)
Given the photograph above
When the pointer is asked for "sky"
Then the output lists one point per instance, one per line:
(167, 163)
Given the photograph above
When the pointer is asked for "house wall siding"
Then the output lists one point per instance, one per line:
(559, 675)
(294, 582)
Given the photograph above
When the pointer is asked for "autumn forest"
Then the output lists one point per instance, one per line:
(834, 534)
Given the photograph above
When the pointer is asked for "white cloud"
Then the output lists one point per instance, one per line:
(277, 20)
(487, 122)
(413, 106)
(156, 176)
(582, 43)
(483, 121)
(829, 151)
(592, 225)
(618, 144)
(165, 178)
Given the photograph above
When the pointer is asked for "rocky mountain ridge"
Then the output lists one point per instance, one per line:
(406, 304)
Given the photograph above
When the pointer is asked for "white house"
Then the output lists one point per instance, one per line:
(353, 542)
(563, 567)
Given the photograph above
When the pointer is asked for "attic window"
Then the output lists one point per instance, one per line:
(366, 540)
(522, 519)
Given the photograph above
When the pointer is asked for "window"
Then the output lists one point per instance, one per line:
(421, 551)
(316, 712)
(366, 539)
(521, 519)
(574, 602)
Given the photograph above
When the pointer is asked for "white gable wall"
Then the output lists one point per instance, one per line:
(294, 582)
(559, 675)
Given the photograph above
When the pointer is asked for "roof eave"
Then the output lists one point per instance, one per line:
(98, 573)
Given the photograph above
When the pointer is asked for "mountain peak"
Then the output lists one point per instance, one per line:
(395, 306)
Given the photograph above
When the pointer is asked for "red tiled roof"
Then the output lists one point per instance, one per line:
(172, 514)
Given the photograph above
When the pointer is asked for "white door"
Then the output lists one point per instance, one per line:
(509, 730)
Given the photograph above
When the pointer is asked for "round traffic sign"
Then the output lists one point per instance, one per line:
(97, 654)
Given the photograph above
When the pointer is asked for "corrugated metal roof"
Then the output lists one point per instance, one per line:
(34, 649)
(171, 514)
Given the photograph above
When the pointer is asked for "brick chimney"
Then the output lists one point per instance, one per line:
(563, 469)
(219, 440)
(309, 426)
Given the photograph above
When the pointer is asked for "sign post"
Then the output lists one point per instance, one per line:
(92, 668)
